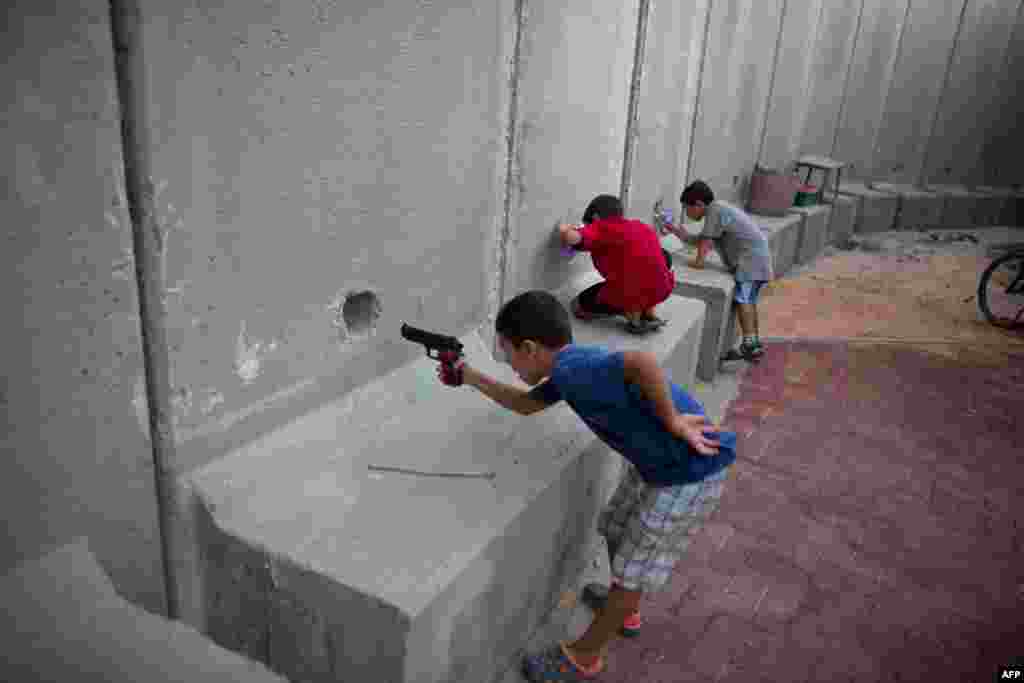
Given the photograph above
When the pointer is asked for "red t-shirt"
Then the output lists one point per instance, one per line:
(628, 254)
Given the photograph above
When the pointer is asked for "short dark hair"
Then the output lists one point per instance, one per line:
(697, 191)
(535, 315)
(602, 206)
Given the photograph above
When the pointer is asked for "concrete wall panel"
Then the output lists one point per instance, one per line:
(970, 99)
(75, 458)
(790, 97)
(307, 153)
(871, 73)
(575, 64)
(739, 59)
(1002, 162)
(836, 35)
(914, 94)
(666, 106)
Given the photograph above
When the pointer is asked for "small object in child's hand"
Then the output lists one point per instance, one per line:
(568, 252)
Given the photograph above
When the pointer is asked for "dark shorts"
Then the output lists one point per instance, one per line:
(588, 297)
(748, 292)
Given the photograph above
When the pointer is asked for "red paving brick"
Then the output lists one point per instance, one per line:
(872, 531)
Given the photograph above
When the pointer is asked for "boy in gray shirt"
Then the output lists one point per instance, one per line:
(744, 250)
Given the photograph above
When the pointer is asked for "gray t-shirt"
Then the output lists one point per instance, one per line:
(740, 241)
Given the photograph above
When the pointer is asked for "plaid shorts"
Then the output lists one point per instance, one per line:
(648, 528)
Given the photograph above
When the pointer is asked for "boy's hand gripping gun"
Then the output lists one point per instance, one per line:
(447, 350)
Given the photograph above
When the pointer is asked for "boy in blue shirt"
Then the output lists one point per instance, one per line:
(677, 461)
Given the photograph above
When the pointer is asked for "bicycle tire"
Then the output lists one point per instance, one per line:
(983, 303)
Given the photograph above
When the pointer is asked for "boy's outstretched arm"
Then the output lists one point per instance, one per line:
(704, 245)
(507, 396)
(642, 368)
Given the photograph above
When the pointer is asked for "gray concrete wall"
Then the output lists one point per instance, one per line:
(836, 37)
(74, 458)
(1001, 162)
(666, 104)
(789, 101)
(575, 66)
(349, 151)
(871, 72)
(740, 54)
(917, 85)
(325, 170)
(969, 101)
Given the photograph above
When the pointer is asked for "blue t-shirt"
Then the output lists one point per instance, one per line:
(591, 380)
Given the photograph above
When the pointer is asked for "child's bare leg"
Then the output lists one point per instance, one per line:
(747, 317)
(594, 642)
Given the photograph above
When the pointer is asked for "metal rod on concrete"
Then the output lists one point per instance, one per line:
(639, 54)
(147, 239)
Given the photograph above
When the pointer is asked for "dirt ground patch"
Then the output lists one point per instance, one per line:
(903, 288)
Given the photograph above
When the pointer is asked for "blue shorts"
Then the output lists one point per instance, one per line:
(747, 292)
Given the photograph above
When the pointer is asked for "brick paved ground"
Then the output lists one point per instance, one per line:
(873, 531)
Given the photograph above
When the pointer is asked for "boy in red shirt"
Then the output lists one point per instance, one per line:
(637, 271)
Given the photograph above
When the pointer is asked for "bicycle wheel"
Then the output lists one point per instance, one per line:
(1001, 291)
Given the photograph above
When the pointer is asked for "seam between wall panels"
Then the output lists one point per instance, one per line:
(874, 171)
(921, 181)
(632, 108)
(511, 143)
(846, 81)
(700, 91)
(771, 83)
(807, 78)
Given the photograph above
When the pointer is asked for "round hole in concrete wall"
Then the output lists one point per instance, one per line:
(360, 311)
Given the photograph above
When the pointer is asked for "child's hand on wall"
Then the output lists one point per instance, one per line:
(570, 234)
(694, 429)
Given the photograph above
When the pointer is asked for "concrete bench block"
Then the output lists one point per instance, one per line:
(918, 209)
(63, 621)
(962, 208)
(989, 211)
(329, 571)
(713, 285)
(842, 219)
(1009, 204)
(783, 238)
(813, 231)
(876, 211)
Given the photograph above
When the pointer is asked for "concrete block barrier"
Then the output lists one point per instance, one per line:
(842, 219)
(876, 211)
(917, 210)
(783, 238)
(63, 621)
(1009, 204)
(714, 286)
(328, 570)
(989, 209)
(813, 231)
(962, 208)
